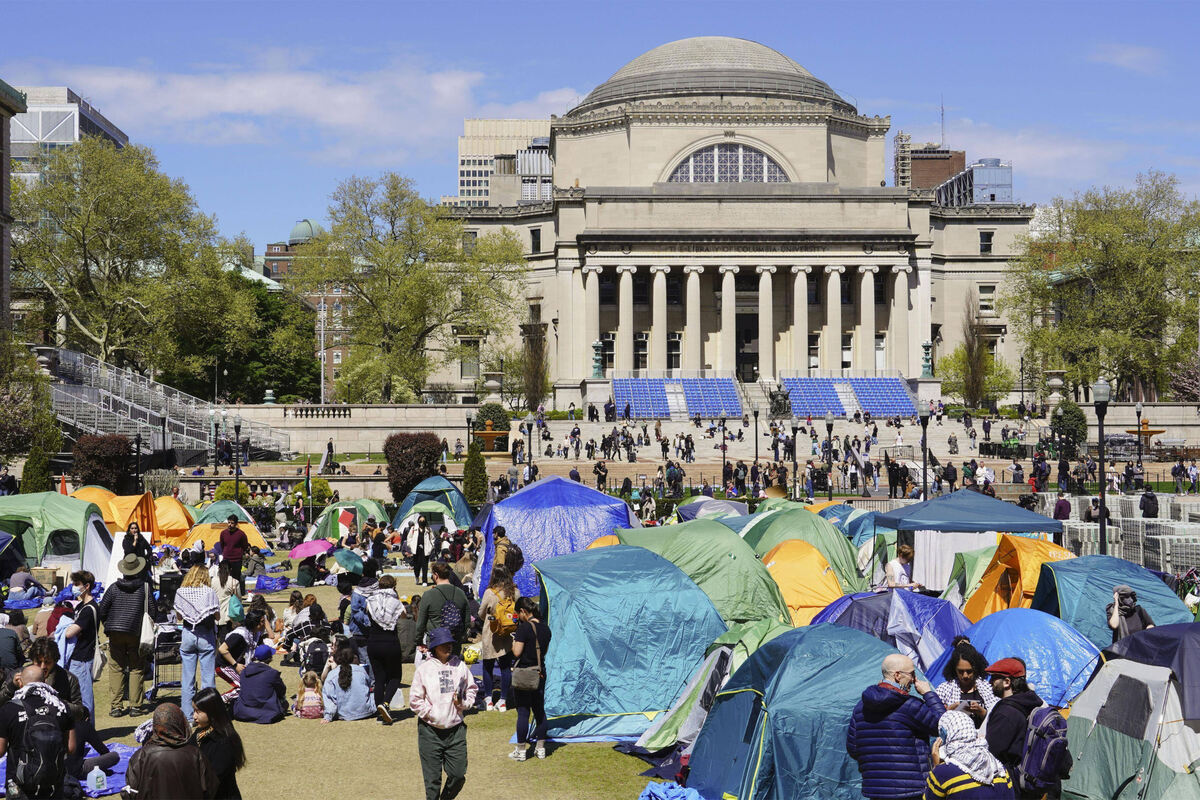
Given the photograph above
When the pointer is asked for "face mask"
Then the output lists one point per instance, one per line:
(76, 590)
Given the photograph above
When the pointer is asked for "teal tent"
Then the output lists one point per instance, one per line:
(1077, 590)
(777, 731)
(216, 513)
(630, 629)
(439, 489)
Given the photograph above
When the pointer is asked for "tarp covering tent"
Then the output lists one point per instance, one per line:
(210, 533)
(804, 577)
(174, 521)
(1058, 659)
(220, 510)
(818, 532)
(1130, 737)
(1078, 590)
(966, 574)
(919, 626)
(1176, 647)
(335, 521)
(50, 528)
(778, 729)
(705, 507)
(629, 628)
(1012, 577)
(720, 563)
(551, 517)
(442, 490)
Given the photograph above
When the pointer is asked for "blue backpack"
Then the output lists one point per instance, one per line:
(1044, 761)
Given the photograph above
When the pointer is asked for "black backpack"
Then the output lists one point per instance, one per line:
(39, 767)
(514, 559)
(1149, 506)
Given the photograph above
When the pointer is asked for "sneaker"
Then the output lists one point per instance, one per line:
(490, 705)
(385, 715)
(539, 751)
(518, 753)
(502, 706)
(118, 712)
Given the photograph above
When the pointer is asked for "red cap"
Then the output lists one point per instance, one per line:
(1008, 667)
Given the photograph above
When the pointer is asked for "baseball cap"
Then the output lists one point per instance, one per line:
(264, 652)
(1007, 667)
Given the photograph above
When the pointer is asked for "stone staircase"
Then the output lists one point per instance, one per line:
(847, 397)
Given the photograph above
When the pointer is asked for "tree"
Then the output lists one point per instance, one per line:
(27, 419)
(475, 477)
(1185, 383)
(500, 420)
(103, 461)
(535, 371)
(970, 371)
(1069, 427)
(408, 282)
(1109, 288)
(411, 458)
(225, 492)
(35, 476)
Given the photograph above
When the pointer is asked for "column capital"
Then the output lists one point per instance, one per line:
(903, 269)
(832, 268)
(593, 268)
(729, 269)
(659, 268)
(694, 269)
(798, 269)
(765, 268)
(630, 268)
(868, 268)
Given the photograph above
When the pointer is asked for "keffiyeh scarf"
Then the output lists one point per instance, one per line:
(950, 692)
(962, 747)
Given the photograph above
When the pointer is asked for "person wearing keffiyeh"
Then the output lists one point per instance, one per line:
(169, 764)
(963, 767)
(197, 606)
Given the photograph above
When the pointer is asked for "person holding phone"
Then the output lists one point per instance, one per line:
(964, 690)
(442, 691)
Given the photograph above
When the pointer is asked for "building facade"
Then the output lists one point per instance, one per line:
(986, 181)
(56, 117)
(485, 139)
(12, 103)
(717, 208)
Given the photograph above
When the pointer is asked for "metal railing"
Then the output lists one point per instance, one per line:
(108, 415)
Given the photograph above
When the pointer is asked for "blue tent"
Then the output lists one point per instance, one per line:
(630, 629)
(551, 517)
(917, 625)
(710, 507)
(835, 609)
(1176, 647)
(777, 731)
(1078, 589)
(738, 523)
(837, 514)
(1059, 660)
(441, 490)
(967, 511)
(863, 528)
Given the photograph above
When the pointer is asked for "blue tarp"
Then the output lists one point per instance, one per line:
(1176, 647)
(551, 517)
(967, 511)
(1059, 660)
(864, 528)
(440, 490)
(919, 626)
(1078, 589)
(630, 629)
(777, 731)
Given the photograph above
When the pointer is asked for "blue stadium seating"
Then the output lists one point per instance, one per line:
(814, 396)
(647, 397)
(883, 397)
(711, 397)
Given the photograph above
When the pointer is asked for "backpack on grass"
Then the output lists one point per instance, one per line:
(1045, 760)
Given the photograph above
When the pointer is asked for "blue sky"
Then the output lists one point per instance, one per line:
(263, 107)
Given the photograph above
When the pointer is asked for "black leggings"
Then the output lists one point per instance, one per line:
(535, 702)
(420, 563)
(387, 665)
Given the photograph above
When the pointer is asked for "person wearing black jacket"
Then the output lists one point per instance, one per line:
(121, 610)
(1008, 721)
(219, 742)
(138, 545)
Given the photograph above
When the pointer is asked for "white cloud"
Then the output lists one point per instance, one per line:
(1133, 57)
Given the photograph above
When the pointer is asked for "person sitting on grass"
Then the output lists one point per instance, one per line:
(261, 696)
(169, 764)
(309, 702)
(442, 690)
(347, 689)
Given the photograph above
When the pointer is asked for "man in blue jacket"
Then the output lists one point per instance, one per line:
(890, 731)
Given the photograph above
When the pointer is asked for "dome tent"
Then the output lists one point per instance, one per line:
(50, 528)
(1012, 576)
(804, 577)
(439, 489)
(174, 521)
(219, 511)
(820, 533)
(335, 521)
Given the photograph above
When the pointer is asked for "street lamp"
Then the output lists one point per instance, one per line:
(795, 467)
(923, 413)
(723, 447)
(1059, 433)
(529, 443)
(469, 429)
(754, 411)
(829, 451)
(1100, 395)
(137, 447)
(212, 430)
(237, 457)
(1138, 410)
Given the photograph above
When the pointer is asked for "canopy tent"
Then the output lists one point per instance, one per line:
(47, 528)
(1078, 590)
(820, 533)
(1176, 647)
(967, 511)
(777, 731)
(1012, 576)
(629, 628)
(338, 519)
(1130, 737)
(439, 489)
(210, 533)
(220, 510)
(720, 563)
(1058, 659)
(919, 626)
(966, 574)
(174, 521)
(706, 507)
(805, 579)
(551, 517)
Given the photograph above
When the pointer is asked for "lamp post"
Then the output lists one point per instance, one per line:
(469, 429)
(137, 449)
(529, 440)
(1057, 430)
(212, 431)
(723, 447)
(237, 457)
(1100, 395)
(755, 412)
(795, 466)
(923, 413)
(1138, 410)
(829, 451)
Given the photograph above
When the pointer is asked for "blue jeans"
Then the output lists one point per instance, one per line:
(489, 665)
(82, 670)
(199, 646)
(26, 594)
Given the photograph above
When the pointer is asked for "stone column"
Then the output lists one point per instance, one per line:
(833, 318)
(658, 324)
(866, 318)
(897, 342)
(624, 354)
(693, 340)
(800, 317)
(727, 344)
(766, 324)
(919, 328)
(591, 312)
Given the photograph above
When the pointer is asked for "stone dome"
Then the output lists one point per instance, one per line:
(305, 229)
(707, 66)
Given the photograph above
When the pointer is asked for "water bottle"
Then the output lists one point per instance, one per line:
(97, 781)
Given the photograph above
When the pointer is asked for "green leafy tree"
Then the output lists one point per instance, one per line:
(407, 280)
(411, 458)
(475, 477)
(35, 477)
(27, 419)
(970, 371)
(1069, 427)
(225, 491)
(535, 369)
(500, 419)
(1110, 287)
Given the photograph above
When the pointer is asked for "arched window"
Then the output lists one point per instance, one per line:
(728, 163)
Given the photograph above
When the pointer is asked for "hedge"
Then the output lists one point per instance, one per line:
(411, 458)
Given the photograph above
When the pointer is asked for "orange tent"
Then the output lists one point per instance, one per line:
(805, 579)
(210, 532)
(95, 494)
(174, 521)
(1012, 576)
(604, 541)
(120, 510)
(824, 504)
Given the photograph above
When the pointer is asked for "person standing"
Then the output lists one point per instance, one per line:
(530, 643)
(170, 764)
(234, 545)
(83, 631)
(219, 742)
(198, 608)
(383, 610)
(1008, 722)
(133, 542)
(122, 609)
(966, 689)
(439, 604)
(498, 610)
(442, 691)
(962, 765)
(1062, 507)
(227, 588)
(1125, 615)
(420, 543)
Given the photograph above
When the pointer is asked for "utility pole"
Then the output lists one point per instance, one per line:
(321, 311)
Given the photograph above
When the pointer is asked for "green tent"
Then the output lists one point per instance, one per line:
(216, 513)
(817, 531)
(966, 574)
(778, 504)
(720, 563)
(55, 529)
(327, 525)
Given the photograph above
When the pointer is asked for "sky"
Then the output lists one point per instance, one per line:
(262, 108)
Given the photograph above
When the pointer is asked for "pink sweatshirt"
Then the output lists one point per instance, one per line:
(433, 690)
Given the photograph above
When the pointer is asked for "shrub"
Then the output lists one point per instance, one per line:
(103, 461)
(225, 492)
(160, 482)
(411, 458)
(36, 475)
(475, 478)
(1071, 427)
(500, 419)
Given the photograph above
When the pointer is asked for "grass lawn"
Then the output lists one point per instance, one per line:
(301, 759)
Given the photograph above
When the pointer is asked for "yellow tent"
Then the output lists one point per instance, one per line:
(94, 494)
(120, 510)
(174, 521)
(1012, 576)
(604, 541)
(805, 579)
(210, 532)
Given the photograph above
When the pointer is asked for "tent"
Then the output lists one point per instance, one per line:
(335, 521)
(919, 626)
(1176, 647)
(720, 563)
(1130, 737)
(174, 521)
(47, 528)
(436, 513)
(861, 528)
(778, 504)
(811, 528)
(551, 517)
(741, 522)
(804, 577)
(94, 494)
(1012, 576)
(220, 510)
(834, 610)
(777, 731)
(629, 629)
(439, 489)
(1058, 659)
(966, 574)
(210, 533)
(1078, 590)
(126, 509)
(604, 541)
(703, 507)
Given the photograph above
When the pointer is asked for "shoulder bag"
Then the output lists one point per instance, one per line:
(149, 628)
(527, 679)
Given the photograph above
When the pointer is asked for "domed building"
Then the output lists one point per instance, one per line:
(719, 210)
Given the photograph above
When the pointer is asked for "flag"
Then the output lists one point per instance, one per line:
(345, 519)
(62, 484)
(308, 478)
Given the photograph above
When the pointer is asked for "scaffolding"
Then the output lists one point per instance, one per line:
(903, 160)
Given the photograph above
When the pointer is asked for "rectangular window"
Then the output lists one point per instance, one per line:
(985, 242)
(641, 349)
(468, 242)
(674, 290)
(814, 351)
(337, 356)
(468, 365)
(608, 289)
(674, 348)
(609, 340)
(641, 289)
(535, 240)
(880, 288)
(814, 291)
(847, 349)
(987, 299)
(847, 289)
